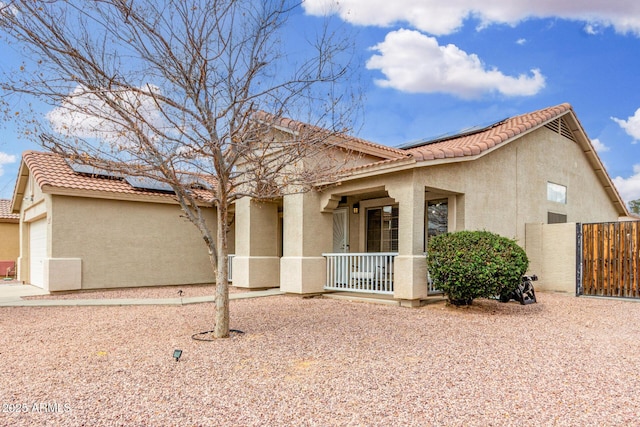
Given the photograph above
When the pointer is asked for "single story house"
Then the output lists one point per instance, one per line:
(87, 229)
(368, 231)
(9, 239)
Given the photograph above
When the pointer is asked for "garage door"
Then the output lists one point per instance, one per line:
(37, 251)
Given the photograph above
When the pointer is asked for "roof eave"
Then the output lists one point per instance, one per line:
(109, 195)
(19, 189)
(592, 155)
(383, 167)
(163, 198)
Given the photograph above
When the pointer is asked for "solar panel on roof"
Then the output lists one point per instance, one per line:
(92, 170)
(137, 182)
(466, 132)
(146, 183)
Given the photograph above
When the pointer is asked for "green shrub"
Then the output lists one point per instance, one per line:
(475, 264)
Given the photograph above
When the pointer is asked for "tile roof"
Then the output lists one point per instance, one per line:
(346, 141)
(469, 143)
(51, 170)
(474, 143)
(5, 212)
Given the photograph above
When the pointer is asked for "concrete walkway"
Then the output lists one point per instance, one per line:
(11, 296)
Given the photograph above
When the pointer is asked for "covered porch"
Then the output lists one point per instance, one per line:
(380, 236)
(368, 237)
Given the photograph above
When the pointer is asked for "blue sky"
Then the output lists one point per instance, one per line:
(432, 67)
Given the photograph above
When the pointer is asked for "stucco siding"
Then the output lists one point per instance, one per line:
(127, 244)
(507, 188)
(562, 161)
(502, 190)
(551, 249)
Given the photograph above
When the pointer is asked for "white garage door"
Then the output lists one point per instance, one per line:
(37, 251)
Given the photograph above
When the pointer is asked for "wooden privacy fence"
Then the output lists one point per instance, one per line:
(609, 259)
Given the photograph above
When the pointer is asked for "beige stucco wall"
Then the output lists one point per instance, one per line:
(551, 249)
(256, 263)
(499, 192)
(127, 244)
(507, 188)
(307, 234)
(9, 241)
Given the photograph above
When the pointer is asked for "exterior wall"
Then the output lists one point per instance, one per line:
(551, 249)
(256, 263)
(499, 192)
(507, 188)
(9, 241)
(127, 244)
(307, 234)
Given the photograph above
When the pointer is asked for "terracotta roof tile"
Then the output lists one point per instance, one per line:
(5, 212)
(474, 143)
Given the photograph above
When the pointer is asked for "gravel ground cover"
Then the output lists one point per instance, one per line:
(565, 361)
(146, 292)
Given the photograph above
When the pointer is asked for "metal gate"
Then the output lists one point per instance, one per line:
(608, 259)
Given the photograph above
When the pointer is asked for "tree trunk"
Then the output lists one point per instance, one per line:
(221, 329)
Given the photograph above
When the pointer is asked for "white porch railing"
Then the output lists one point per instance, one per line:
(431, 288)
(360, 272)
(230, 267)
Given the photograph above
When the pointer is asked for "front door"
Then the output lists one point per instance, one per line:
(340, 231)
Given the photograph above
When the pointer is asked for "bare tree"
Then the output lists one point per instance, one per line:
(194, 94)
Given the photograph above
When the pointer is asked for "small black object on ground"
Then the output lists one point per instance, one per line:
(524, 293)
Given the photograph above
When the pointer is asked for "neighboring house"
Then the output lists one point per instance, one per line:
(87, 229)
(9, 239)
(368, 231)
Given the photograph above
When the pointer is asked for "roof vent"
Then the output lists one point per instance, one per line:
(561, 127)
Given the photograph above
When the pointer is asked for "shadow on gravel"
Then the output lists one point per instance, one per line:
(483, 306)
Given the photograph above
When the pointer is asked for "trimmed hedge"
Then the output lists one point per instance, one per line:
(475, 264)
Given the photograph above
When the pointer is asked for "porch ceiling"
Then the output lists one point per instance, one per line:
(372, 195)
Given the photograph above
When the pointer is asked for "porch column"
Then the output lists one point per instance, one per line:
(410, 267)
(308, 233)
(256, 263)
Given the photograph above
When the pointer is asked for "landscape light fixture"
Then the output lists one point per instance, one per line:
(177, 354)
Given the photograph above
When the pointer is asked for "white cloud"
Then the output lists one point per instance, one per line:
(84, 115)
(439, 17)
(434, 17)
(592, 29)
(5, 159)
(631, 125)
(521, 41)
(414, 62)
(599, 145)
(629, 188)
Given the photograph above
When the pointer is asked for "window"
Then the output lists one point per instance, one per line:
(382, 229)
(556, 218)
(437, 217)
(556, 193)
